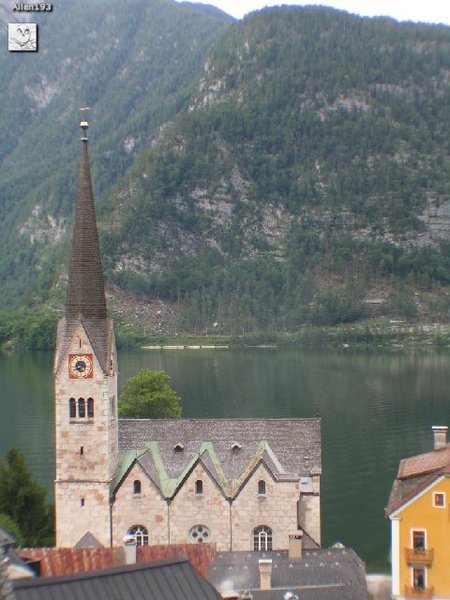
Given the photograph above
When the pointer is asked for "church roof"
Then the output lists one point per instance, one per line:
(229, 449)
(85, 299)
(86, 291)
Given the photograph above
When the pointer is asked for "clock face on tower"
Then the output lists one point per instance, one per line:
(80, 366)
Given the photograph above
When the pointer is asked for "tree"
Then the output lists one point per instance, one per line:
(9, 525)
(148, 395)
(24, 500)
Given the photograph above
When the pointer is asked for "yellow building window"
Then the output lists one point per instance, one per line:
(439, 500)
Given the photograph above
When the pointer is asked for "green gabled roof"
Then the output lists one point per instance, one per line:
(236, 484)
(206, 454)
(124, 463)
(169, 485)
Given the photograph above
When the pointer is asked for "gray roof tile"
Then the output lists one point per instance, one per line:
(173, 579)
(322, 574)
(294, 444)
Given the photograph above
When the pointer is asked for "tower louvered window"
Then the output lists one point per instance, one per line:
(81, 408)
(72, 408)
(90, 408)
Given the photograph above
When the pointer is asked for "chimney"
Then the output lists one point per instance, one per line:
(296, 545)
(130, 549)
(440, 436)
(265, 572)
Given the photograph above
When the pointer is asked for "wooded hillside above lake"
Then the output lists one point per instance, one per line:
(286, 169)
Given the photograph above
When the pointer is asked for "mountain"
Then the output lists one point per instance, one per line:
(307, 182)
(132, 62)
(295, 171)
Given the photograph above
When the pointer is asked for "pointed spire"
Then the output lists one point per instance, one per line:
(86, 290)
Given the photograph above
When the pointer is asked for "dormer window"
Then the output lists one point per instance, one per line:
(178, 448)
(235, 447)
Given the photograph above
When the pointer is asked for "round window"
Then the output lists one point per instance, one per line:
(199, 534)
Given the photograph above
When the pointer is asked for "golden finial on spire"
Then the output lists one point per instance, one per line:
(83, 123)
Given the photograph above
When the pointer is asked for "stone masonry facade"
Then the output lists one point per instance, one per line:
(86, 449)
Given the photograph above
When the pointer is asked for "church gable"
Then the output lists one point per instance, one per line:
(84, 335)
(199, 510)
(78, 345)
(139, 506)
(137, 482)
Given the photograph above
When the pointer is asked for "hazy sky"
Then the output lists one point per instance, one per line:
(427, 11)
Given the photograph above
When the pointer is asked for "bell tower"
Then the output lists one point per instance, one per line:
(85, 374)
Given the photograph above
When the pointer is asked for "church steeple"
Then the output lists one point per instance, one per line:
(85, 371)
(86, 291)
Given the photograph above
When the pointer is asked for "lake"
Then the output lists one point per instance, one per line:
(375, 408)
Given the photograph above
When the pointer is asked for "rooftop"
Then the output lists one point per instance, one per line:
(321, 574)
(173, 579)
(415, 474)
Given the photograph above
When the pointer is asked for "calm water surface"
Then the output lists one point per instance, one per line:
(375, 408)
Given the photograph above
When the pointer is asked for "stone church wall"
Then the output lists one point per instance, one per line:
(85, 450)
(147, 508)
(81, 507)
(209, 509)
(277, 509)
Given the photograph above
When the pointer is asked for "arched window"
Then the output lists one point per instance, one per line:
(262, 538)
(199, 486)
(261, 487)
(140, 534)
(72, 408)
(90, 408)
(199, 534)
(81, 408)
(136, 487)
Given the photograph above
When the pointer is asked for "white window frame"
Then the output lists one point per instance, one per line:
(263, 535)
(434, 499)
(425, 537)
(140, 534)
(425, 579)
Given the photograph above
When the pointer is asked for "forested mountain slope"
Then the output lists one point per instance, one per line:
(302, 178)
(308, 182)
(132, 62)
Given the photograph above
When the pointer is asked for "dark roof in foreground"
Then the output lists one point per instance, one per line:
(415, 474)
(173, 579)
(322, 574)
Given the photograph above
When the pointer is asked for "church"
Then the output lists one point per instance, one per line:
(241, 484)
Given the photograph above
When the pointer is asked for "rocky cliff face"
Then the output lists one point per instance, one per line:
(286, 172)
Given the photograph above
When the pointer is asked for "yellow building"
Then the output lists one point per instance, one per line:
(419, 510)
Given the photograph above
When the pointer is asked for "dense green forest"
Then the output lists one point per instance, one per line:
(294, 171)
(336, 124)
(133, 62)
